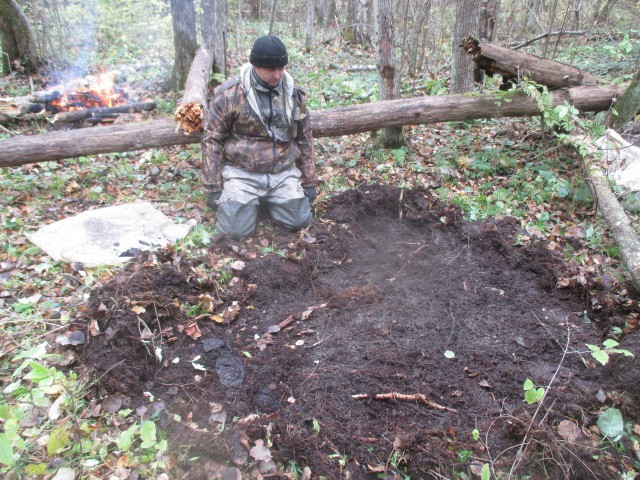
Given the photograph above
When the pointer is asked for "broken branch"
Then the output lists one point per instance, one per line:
(416, 397)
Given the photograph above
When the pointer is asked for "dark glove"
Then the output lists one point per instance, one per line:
(311, 193)
(212, 200)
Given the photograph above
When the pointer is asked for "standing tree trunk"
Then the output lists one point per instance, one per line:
(420, 13)
(308, 38)
(358, 22)
(325, 11)
(467, 23)
(577, 6)
(213, 23)
(602, 16)
(627, 105)
(385, 56)
(17, 38)
(185, 43)
(488, 17)
(552, 17)
(272, 17)
(531, 21)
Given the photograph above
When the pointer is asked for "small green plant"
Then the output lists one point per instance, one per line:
(609, 347)
(532, 394)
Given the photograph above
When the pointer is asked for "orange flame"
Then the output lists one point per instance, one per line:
(99, 93)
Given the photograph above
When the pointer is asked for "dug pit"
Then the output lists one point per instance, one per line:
(375, 342)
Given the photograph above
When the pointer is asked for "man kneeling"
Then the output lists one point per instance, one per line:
(257, 146)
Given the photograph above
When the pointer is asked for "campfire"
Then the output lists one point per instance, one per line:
(98, 91)
(93, 99)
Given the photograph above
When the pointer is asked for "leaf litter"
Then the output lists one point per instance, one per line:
(378, 300)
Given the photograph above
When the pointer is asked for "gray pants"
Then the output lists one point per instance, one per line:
(243, 192)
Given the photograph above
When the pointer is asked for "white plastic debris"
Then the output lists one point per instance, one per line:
(109, 236)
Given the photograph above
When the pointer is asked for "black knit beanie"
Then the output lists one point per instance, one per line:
(269, 52)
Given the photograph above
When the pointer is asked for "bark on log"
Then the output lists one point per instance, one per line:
(98, 113)
(191, 111)
(14, 107)
(326, 123)
(619, 225)
(515, 65)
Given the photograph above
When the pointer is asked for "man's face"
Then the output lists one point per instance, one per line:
(270, 76)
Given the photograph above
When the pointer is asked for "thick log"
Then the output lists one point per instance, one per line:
(191, 111)
(451, 108)
(326, 123)
(14, 107)
(619, 225)
(514, 65)
(77, 115)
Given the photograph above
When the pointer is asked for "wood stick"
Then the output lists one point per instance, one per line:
(103, 112)
(416, 397)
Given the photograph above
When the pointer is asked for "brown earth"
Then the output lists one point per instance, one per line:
(396, 279)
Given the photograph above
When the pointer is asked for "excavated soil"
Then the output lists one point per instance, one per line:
(379, 288)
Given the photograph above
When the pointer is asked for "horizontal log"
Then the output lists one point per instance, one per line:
(451, 108)
(325, 123)
(13, 107)
(76, 115)
(516, 65)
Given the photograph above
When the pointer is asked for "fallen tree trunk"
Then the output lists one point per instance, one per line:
(514, 65)
(619, 225)
(14, 107)
(326, 123)
(191, 111)
(77, 115)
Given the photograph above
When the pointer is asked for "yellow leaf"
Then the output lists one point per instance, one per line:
(138, 309)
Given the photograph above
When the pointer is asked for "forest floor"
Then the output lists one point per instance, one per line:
(389, 291)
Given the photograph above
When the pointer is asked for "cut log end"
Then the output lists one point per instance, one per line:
(190, 116)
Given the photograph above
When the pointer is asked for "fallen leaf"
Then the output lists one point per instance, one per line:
(112, 404)
(193, 330)
(138, 309)
(231, 312)
(484, 384)
(310, 310)
(94, 329)
(260, 452)
(206, 302)
(569, 430)
(377, 468)
(217, 318)
(238, 265)
(398, 443)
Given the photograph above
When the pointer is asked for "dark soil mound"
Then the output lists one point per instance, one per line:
(370, 299)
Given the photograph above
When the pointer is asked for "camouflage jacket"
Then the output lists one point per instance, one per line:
(235, 134)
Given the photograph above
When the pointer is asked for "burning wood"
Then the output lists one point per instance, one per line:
(103, 113)
(92, 92)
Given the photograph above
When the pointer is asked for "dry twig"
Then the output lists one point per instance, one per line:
(416, 397)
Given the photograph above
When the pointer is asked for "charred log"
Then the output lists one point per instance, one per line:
(327, 123)
(101, 113)
(513, 66)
